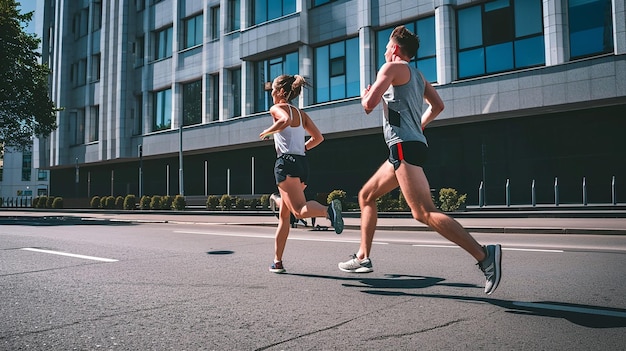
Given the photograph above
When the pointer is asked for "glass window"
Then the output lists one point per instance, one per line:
(192, 103)
(234, 13)
(321, 2)
(235, 86)
(500, 36)
(27, 165)
(139, 51)
(42, 175)
(337, 70)
(94, 124)
(95, 67)
(97, 15)
(215, 22)
(163, 45)
(266, 10)
(162, 118)
(426, 59)
(215, 97)
(265, 72)
(193, 31)
(590, 27)
(77, 128)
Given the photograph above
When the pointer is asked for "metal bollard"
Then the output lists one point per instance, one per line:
(481, 200)
(584, 191)
(613, 194)
(556, 191)
(508, 194)
(532, 197)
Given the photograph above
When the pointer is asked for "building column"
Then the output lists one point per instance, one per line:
(445, 38)
(554, 31)
(619, 27)
(366, 43)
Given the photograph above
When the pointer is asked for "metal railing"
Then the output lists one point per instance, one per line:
(507, 190)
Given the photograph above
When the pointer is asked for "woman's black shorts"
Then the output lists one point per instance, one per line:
(413, 152)
(295, 166)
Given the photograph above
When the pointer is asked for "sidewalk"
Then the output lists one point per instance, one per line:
(403, 222)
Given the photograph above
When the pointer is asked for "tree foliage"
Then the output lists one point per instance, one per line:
(26, 109)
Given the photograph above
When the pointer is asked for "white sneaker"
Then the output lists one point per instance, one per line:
(355, 265)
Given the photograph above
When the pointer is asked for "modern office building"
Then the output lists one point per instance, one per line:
(169, 96)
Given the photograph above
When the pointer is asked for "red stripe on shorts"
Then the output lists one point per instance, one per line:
(400, 153)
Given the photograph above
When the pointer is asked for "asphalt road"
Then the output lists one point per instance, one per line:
(96, 284)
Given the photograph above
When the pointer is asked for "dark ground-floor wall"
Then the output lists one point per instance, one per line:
(569, 146)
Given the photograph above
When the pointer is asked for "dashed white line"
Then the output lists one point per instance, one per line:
(60, 253)
(241, 235)
(504, 248)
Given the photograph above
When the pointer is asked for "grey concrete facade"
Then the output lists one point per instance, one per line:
(118, 89)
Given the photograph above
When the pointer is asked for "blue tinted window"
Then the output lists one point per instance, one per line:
(353, 68)
(337, 70)
(426, 32)
(530, 52)
(591, 27)
(266, 10)
(526, 20)
(499, 36)
(470, 27)
(429, 68)
(499, 57)
(471, 63)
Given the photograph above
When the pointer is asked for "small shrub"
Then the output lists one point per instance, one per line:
(225, 202)
(109, 202)
(103, 202)
(130, 201)
(95, 202)
(253, 203)
(240, 203)
(57, 202)
(155, 202)
(450, 200)
(49, 201)
(386, 203)
(119, 202)
(265, 201)
(43, 200)
(212, 202)
(33, 203)
(144, 202)
(166, 202)
(178, 203)
(402, 204)
(337, 194)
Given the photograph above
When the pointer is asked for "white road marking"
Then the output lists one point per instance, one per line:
(242, 235)
(70, 254)
(504, 248)
(532, 250)
(584, 310)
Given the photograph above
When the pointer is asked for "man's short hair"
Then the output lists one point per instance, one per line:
(408, 42)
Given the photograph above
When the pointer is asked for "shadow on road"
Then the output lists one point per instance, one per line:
(584, 315)
(57, 221)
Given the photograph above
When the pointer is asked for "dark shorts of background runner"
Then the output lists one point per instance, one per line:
(291, 165)
(413, 152)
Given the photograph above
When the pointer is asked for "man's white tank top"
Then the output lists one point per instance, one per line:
(291, 139)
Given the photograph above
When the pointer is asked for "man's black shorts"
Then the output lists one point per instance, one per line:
(413, 152)
(291, 165)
